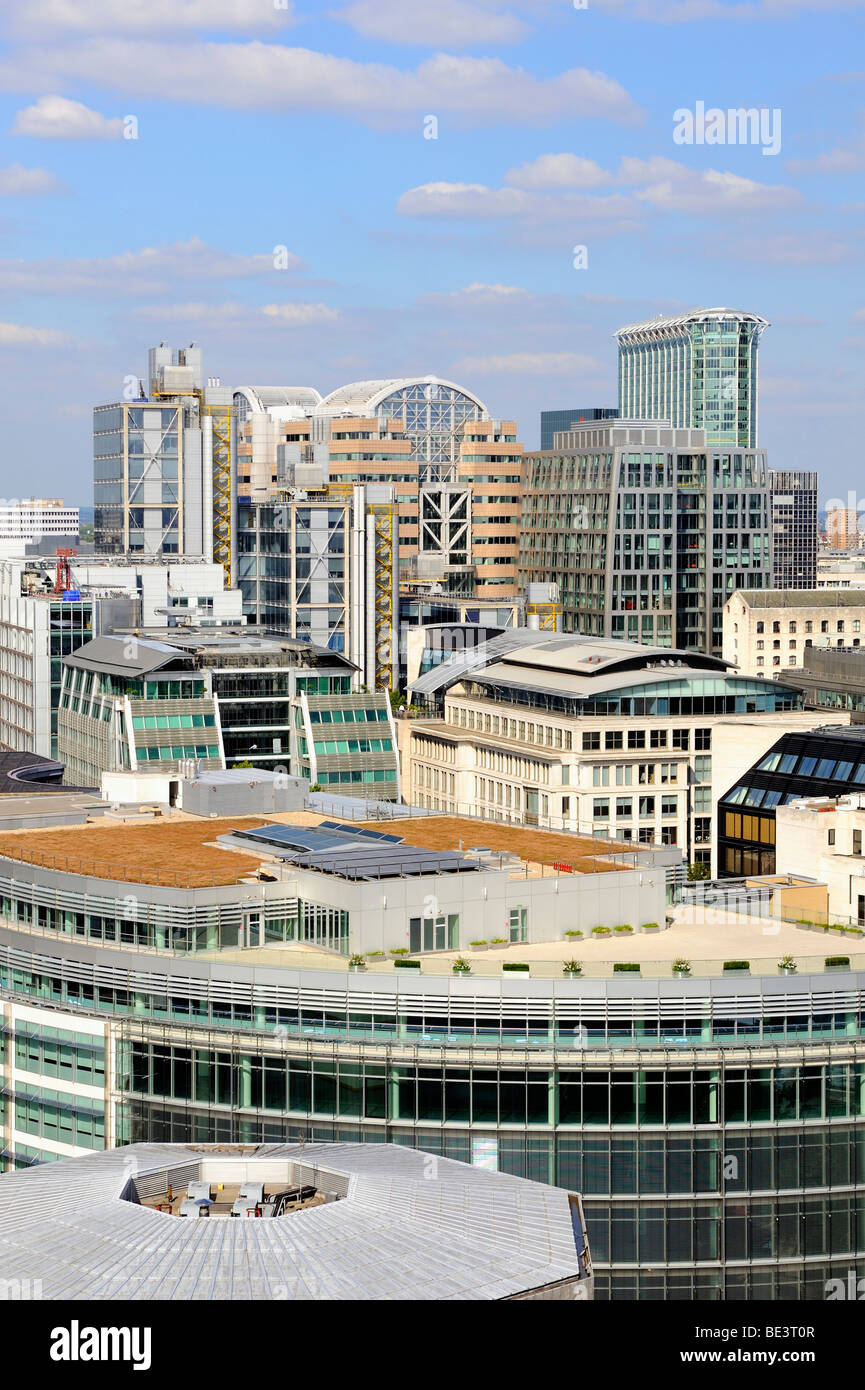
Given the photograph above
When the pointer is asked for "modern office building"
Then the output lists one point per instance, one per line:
(268, 417)
(321, 564)
(609, 738)
(831, 678)
(165, 463)
(356, 1223)
(842, 528)
(696, 370)
(37, 519)
(827, 761)
(795, 532)
(645, 531)
(767, 630)
(838, 570)
(223, 700)
(50, 608)
(554, 421)
(154, 1013)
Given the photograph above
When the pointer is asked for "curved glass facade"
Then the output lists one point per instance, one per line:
(715, 1126)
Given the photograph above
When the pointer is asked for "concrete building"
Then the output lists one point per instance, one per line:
(37, 519)
(794, 529)
(696, 370)
(165, 463)
(767, 631)
(826, 833)
(50, 608)
(842, 528)
(831, 678)
(554, 421)
(223, 700)
(353, 1208)
(321, 565)
(609, 738)
(177, 1002)
(646, 531)
(268, 418)
(838, 570)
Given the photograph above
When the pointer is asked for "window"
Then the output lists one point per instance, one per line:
(776, 627)
(601, 808)
(702, 739)
(824, 627)
(682, 739)
(647, 806)
(658, 738)
(760, 646)
(624, 806)
(857, 841)
(830, 837)
(669, 805)
(636, 738)
(840, 625)
(809, 626)
(600, 776)
(760, 627)
(613, 739)
(791, 627)
(703, 769)
(591, 742)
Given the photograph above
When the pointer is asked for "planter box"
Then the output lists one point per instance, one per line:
(356, 969)
(485, 946)
(515, 969)
(406, 964)
(786, 970)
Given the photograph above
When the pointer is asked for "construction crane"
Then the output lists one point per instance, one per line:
(63, 579)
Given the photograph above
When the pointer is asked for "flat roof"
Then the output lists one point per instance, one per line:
(801, 598)
(580, 853)
(176, 853)
(402, 1227)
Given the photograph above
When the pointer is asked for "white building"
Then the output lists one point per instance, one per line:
(44, 618)
(585, 734)
(33, 519)
(826, 835)
(766, 631)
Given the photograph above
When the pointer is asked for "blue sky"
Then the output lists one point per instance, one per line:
(261, 125)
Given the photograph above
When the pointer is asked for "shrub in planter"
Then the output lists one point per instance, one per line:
(649, 926)
(477, 943)
(402, 964)
(624, 928)
(461, 966)
(737, 965)
(572, 967)
(500, 941)
(515, 965)
(600, 931)
(833, 962)
(357, 962)
(621, 966)
(787, 964)
(399, 950)
(573, 933)
(375, 955)
(681, 966)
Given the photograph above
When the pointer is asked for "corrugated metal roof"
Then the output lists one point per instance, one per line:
(411, 1226)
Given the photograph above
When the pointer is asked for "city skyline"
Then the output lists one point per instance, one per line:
(262, 180)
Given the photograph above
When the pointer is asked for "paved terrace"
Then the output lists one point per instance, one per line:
(707, 939)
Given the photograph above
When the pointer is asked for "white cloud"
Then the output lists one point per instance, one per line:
(559, 171)
(149, 271)
(261, 76)
(238, 315)
(58, 118)
(528, 364)
(17, 335)
(297, 314)
(846, 159)
(445, 24)
(462, 200)
(713, 191)
(18, 182)
(479, 293)
(88, 17)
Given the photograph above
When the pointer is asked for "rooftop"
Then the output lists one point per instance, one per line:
(579, 853)
(801, 598)
(396, 1224)
(665, 323)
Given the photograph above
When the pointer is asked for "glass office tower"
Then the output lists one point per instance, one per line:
(697, 370)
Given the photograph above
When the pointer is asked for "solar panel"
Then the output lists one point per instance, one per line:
(361, 830)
